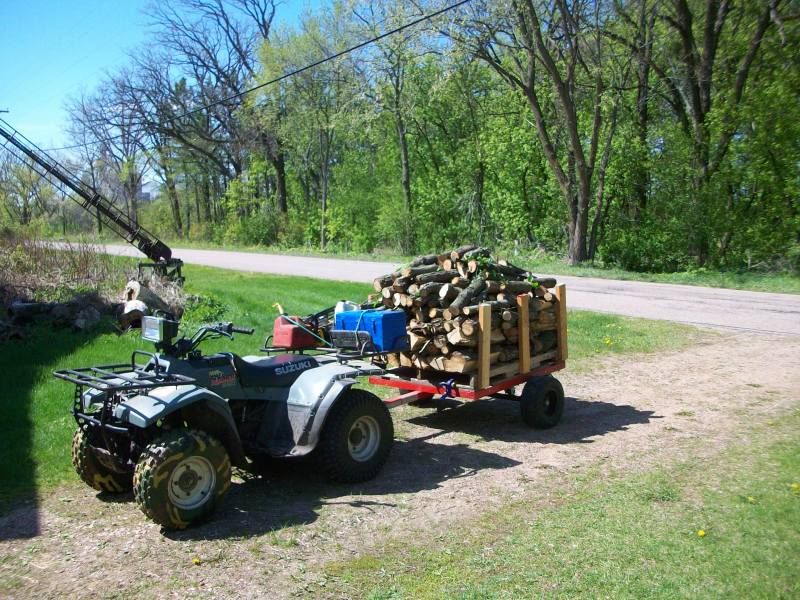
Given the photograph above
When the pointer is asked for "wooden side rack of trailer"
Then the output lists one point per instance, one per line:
(489, 379)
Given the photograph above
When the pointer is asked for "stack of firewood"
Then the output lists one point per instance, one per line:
(441, 295)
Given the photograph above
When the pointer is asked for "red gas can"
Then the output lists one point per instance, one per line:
(286, 334)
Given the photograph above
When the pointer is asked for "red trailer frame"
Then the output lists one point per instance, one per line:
(417, 389)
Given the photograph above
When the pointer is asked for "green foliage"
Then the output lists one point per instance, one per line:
(477, 166)
(201, 309)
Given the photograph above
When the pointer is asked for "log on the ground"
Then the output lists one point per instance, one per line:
(137, 291)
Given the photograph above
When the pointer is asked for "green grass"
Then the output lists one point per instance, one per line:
(37, 425)
(631, 537)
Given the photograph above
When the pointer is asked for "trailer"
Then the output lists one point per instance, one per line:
(542, 397)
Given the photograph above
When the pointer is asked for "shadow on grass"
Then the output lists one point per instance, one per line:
(294, 493)
(24, 415)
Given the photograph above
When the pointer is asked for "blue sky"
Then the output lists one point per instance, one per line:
(51, 50)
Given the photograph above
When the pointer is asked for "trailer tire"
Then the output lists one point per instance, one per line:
(92, 472)
(542, 402)
(181, 477)
(357, 437)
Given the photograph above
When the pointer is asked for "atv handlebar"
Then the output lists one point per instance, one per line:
(185, 346)
(245, 330)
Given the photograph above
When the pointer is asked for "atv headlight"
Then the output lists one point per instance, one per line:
(158, 329)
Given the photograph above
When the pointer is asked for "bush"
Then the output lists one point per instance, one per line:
(648, 247)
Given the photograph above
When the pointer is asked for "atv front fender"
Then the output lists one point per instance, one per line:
(199, 407)
(312, 396)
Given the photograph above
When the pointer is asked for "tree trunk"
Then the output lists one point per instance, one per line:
(281, 196)
(172, 193)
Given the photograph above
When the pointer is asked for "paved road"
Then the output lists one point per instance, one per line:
(719, 308)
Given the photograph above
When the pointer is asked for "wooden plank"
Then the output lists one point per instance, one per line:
(523, 326)
(561, 294)
(484, 345)
(539, 359)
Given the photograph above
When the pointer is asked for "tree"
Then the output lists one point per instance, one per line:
(553, 53)
(704, 68)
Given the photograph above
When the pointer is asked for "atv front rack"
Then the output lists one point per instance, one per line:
(124, 377)
(121, 378)
(114, 381)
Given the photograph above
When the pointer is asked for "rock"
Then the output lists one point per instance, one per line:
(87, 318)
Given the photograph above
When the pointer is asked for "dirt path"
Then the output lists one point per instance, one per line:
(715, 307)
(273, 535)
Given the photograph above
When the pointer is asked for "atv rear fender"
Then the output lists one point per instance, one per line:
(312, 396)
(197, 406)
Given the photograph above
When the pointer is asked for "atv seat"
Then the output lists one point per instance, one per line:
(275, 371)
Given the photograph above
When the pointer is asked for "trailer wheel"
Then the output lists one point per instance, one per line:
(92, 471)
(181, 478)
(357, 437)
(542, 402)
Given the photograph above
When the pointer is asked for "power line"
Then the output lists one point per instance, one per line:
(290, 74)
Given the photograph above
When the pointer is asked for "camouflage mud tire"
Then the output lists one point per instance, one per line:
(357, 437)
(181, 478)
(92, 471)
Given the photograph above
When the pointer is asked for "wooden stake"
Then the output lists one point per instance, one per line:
(561, 295)
(524, 335)
(484, 345)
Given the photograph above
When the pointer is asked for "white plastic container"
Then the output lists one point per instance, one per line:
(345, 305)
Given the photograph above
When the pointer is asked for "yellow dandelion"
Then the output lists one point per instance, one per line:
(701, 533)
(196, 561)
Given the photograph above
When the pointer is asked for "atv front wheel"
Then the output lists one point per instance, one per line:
(357, 437)
(92, 471)
(181, 477)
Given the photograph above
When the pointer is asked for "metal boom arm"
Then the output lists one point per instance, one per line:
(111, 216)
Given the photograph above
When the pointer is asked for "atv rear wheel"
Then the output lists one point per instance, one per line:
(92, 471)
(357, 437)
(181, 477)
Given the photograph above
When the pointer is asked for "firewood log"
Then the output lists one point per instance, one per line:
(492, 287)
(429, 289)
(448, 292)
(437, 276)
(419, 270)
(545, 282)
(475, 287)
(461, 250)
(516, 287)
(495, 305)
(384, 281)
(428, 259)
(137, 291)
(435, 313)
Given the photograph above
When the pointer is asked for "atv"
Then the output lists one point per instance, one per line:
(171, 426)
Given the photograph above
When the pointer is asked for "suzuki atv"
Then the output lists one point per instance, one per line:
(171, 427)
